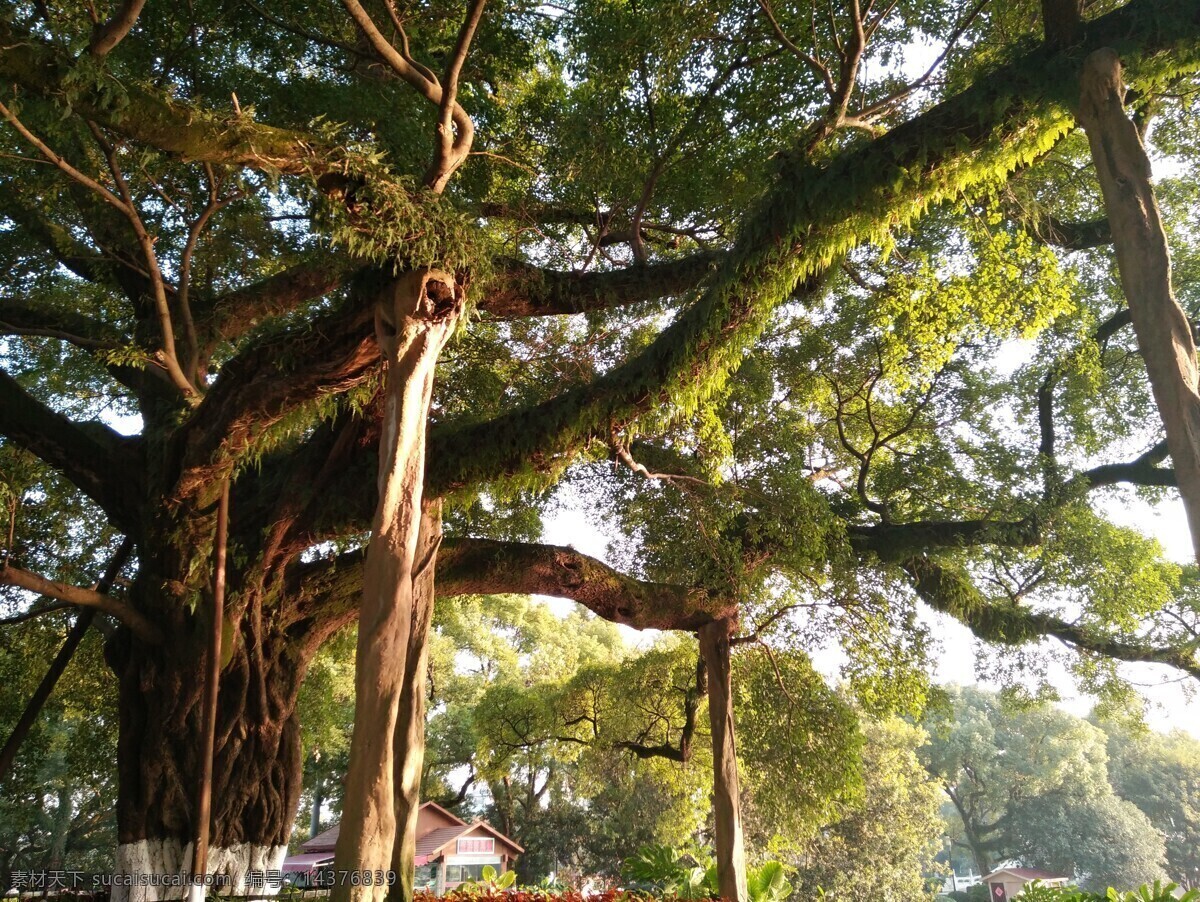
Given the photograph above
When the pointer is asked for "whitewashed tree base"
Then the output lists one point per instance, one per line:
(156, 869)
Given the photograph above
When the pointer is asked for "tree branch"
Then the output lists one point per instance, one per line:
(1141, 471)
(521, 289)
(141, 626)
(236, 312)
(97, 460)
(949, 590)
(107, 36)
(451, 148)
(489, 567)
(271, 378)
(22, 318)
(896, 541)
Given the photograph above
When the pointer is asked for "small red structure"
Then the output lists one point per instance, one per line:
(450, 851)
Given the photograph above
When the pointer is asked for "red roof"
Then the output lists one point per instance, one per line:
(428, 844)
(1028, 874)
(433, 841)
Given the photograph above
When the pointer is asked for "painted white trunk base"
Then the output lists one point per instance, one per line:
(158, 869)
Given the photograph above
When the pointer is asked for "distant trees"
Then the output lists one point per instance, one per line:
(56, 801)
(883, 847)
(1038, 786)
(1160, 774)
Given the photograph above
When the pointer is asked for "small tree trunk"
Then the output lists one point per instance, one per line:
(727, 812)
(414, 319)
(314, 822)
(1164, 335)
(983, 861)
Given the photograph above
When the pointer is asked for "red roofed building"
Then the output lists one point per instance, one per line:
(1008, 883)
(449, 851)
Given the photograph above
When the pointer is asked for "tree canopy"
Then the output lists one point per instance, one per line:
(824, 336)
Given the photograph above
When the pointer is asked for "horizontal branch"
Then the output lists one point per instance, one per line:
(488, 567)
(141, 626)
(238, 311)
(895, 541)
(521, 289)
(949, 590)
(97, 460)
(467, 566)
(23, 318)
(1141, 471)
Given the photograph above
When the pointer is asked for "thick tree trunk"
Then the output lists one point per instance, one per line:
(1163, 332)
(414, 319)
(727, 811)
(257, 767)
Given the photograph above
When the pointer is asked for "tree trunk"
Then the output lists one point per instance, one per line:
(983, 861)
(1164, 335)
(414, 319)
(727, 812)
(257, 768)
(314, 823)
(410, 715)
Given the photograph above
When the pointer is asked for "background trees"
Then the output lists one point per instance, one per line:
(1042, 787)
(817, 309)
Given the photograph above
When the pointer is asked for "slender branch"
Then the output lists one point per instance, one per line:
(452, 149)
(214, 205)
(142, 626)
(29, 716)
(170, 358)
(36, 611)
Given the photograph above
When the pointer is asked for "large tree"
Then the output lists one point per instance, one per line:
(252, 230)
(1033, 785)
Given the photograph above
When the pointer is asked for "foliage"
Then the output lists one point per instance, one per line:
(667, 872)
(490, 882)
(1032, 783)
(894, 830)
(1158, 892)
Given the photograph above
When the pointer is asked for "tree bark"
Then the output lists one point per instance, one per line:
(410, 716)
(414, 319)
(1163, 333)
(727, 812)
(257, 765)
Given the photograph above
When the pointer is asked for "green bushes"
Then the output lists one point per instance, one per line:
(1159, 892)
(666, 872)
